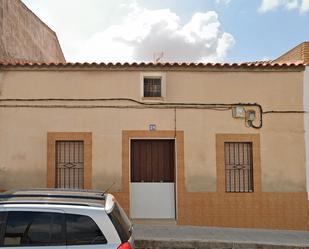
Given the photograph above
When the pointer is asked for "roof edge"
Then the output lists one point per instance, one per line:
(263, 66)
(296, 54)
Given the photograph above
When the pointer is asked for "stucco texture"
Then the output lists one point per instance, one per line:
(23, 131)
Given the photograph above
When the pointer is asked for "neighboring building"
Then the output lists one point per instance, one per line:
(186, 142)
(300, 54)
(24, 37)
(306, 107)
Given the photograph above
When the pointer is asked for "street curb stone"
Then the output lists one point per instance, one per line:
(193, 244)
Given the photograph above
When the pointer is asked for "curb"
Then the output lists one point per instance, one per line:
(191, 244)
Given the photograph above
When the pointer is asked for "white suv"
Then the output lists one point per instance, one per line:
(63, 219)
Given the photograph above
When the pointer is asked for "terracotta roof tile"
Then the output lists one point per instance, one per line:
(300, 53)
(256, 64)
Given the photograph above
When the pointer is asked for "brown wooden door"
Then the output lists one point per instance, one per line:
(152, 161)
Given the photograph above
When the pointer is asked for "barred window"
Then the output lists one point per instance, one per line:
(152, 87)
(238, 167)
(70, 164)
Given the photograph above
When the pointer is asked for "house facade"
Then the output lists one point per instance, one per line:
(201, 144)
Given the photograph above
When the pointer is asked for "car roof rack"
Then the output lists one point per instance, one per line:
(4, 196)
(49, 203)
(73, 190)
(54, 193)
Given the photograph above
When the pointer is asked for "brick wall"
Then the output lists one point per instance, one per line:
(306, 52)
(298, 54)
(23, 36)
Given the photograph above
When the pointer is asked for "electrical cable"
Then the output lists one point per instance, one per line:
(111, 99)
(261, 118)
(142, 105)
(286, 112)
(114, 106)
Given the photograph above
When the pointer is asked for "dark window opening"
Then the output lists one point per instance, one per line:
(238, 167)
(34, 229)
(152, 87)
(2, 226)
(82, 230)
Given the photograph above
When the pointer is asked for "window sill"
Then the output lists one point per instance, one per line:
(153, 99)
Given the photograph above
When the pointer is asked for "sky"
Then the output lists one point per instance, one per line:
(175, 30)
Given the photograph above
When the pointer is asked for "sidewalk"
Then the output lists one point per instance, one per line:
(172, 236)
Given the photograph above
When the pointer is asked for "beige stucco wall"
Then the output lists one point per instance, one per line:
(23, 130)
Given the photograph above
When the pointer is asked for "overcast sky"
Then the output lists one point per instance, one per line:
(183, 30)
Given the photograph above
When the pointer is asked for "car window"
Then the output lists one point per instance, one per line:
(121, 222)
(82, 230)
(2, 226)
(58, 230)
(34, 229)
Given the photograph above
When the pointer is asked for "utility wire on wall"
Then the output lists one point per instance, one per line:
(143, 105)
(286, 112)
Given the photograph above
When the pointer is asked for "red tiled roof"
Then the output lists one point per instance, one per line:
(257, 64)
(300, 53)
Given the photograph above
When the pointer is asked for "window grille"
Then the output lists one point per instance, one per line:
(238, 167)
(70, 164)
(152, 87)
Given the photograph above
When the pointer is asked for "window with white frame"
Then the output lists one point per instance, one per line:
(153, 86)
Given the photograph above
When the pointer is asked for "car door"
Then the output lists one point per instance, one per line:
(40, 229)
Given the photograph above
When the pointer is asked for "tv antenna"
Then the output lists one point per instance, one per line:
(157, 56)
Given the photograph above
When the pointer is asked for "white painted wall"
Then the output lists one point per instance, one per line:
(306, 107)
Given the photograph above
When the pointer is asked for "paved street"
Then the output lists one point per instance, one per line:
(219, 237)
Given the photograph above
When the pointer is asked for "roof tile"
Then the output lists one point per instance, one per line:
(256, 64)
